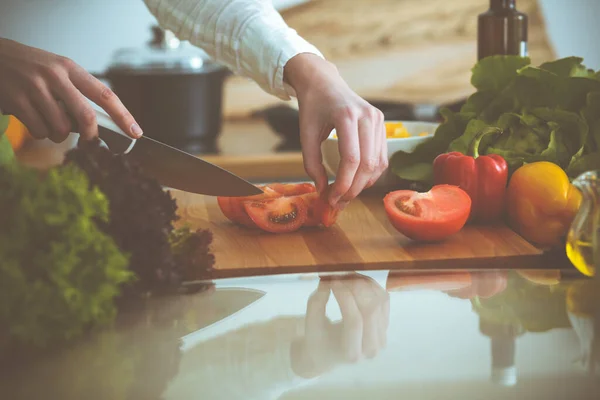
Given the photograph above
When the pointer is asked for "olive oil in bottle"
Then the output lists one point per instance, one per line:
(502, 30)
(583, 239)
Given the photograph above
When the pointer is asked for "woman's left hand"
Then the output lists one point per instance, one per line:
(326, 102)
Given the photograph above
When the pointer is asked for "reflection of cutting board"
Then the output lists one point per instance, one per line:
(362, 239)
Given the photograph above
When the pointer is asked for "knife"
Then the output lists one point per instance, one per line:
(172, 167)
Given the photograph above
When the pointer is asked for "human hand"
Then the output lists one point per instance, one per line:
(326, 102)
(34, 83)
(362, 332)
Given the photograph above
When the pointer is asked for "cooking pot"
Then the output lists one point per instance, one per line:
(173, 90)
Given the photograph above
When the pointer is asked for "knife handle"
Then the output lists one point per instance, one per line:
(108, 131)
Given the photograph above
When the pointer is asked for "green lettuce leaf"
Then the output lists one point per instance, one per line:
(566, 67)
(574, 128)
(592, 115)
(581, 163)
(495, 73)
(546, 113)
(462, 143)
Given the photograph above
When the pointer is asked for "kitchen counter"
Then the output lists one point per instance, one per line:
(428, 334)
(461, 335)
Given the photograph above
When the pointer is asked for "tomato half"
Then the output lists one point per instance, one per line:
(293, 189)
(233, 207)
(278, 215)
(429, 216)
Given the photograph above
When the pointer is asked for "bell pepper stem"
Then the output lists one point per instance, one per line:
(474, 145)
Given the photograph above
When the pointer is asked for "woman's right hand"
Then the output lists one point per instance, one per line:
(34, 83)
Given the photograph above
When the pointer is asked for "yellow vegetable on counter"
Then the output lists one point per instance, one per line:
(542, 203)
(16, 133)
(397, 130)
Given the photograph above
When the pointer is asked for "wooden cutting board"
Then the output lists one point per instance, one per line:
(362, 239)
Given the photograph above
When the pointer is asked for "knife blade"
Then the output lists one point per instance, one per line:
(172, 167)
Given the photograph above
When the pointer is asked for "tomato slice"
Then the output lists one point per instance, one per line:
(312, 201)
(293, 189)
(278, 215)
(225, 206)
(233, 207)
(429, 216)
(328, 213)
(319, 211)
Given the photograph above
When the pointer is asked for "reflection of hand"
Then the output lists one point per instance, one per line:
(484, 284)
(362, 332)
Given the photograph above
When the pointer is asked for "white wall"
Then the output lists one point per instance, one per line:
(574, 29)
(89, 30)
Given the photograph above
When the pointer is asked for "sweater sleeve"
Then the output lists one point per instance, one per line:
(248, 36)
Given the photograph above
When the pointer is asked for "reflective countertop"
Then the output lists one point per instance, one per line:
(372, 335)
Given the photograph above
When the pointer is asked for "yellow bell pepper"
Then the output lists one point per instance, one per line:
(542, 203)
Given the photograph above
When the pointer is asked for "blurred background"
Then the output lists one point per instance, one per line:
(405, 56)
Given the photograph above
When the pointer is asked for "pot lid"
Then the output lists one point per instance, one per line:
(165, 53)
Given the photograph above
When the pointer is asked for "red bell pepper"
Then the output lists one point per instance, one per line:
(484, 178)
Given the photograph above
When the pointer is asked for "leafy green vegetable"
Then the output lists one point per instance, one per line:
(494, 74)
(59, 274)
(547, 113)
(6, 151)
(141, 222)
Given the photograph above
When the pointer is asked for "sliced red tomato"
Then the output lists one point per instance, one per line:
(278, 215)
(293, 189)
(429, 216)
(319, 211)
(313, 217)
(233, 207)
(225, 206)
(328, 213)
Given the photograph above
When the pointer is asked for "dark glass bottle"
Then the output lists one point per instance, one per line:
(502, 30)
